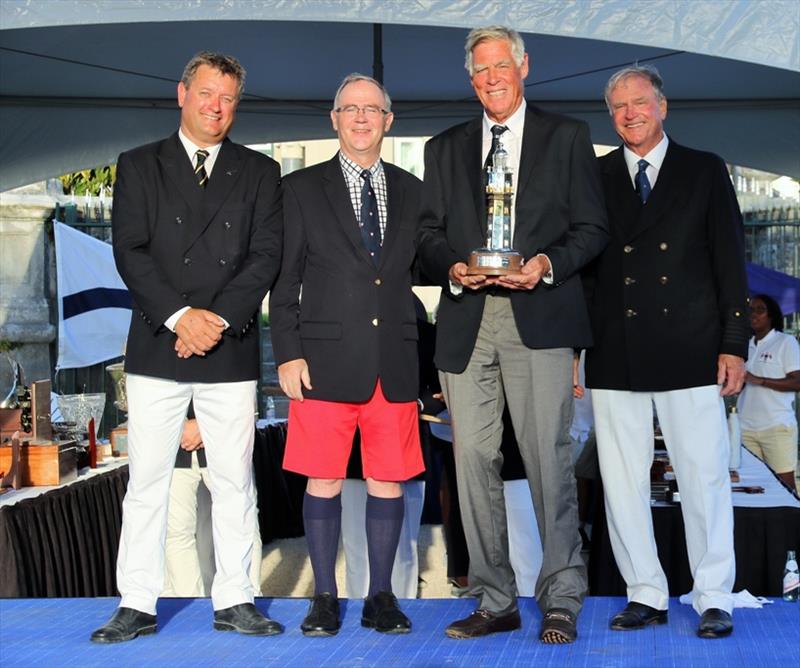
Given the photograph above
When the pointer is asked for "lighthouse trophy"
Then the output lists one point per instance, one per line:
(497, 258)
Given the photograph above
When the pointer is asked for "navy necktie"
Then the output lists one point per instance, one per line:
(200, 170)
(370, 223)
(642, 182)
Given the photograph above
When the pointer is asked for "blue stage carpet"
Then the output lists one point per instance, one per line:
(55, 632)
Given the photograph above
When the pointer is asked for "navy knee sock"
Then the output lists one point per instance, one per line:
(322, 519)
(384, 521)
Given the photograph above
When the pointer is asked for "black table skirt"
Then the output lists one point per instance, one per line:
(64, 543)
(761, 538)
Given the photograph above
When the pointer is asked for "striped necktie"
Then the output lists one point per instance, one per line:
(199, 170)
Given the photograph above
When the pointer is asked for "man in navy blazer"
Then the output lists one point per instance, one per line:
(513, 336)
(346, 348)
(670, 322)
(197, 240)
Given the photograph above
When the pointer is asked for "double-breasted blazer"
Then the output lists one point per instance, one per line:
(355, 321)
(668, 295)
(559, 212)
(176, 245)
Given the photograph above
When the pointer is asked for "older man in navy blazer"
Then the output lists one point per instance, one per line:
(197, 240)
(670, 319)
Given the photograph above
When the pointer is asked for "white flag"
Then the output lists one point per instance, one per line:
(94, 306)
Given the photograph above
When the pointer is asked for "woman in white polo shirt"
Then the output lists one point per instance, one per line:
(766, 413)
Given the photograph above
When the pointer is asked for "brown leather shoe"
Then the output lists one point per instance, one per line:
(482, 623)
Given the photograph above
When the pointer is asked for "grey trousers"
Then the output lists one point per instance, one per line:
(538, 390)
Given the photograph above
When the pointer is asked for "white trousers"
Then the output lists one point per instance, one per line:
(524, 542)
(189, 554)
(695, 434)
(405, 571)
(157, 410)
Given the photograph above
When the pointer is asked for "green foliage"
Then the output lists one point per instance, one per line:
(89, 181)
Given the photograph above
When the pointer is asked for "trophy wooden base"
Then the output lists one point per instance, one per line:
(43, 462)
(485, 262)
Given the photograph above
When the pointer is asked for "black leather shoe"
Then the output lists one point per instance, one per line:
(382, 613)
(482, 623)
(637, 616)
(125, 624)
(715, 623)
(323, 616)
(247, 619)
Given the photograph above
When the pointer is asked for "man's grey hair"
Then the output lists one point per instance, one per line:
(478, 35)
(356, 76)
(227, 65)
(648, 72)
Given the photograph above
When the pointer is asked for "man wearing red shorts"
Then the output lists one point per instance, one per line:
(347, 350)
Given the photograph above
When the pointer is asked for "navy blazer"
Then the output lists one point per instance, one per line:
(356, 321)
(176, 245)
(669, 293)
(559, 212)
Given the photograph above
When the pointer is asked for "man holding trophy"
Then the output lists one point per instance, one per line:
(508, 321)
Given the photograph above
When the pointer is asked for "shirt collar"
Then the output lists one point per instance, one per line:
(515, 123)
(353, 170)
(654, 158)
(191, 148)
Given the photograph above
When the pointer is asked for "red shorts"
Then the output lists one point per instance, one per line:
(320, 437)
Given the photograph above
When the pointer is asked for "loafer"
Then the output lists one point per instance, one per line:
(559, 627)
(482, 623)
(323, 616)
(715, 623)
(125, 624)
(382, 613)
(637, 616)
(246, 619)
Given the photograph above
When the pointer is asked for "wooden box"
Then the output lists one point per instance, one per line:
(43, 462)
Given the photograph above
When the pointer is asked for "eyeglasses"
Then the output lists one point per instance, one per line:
(758, 309)
(352, 110)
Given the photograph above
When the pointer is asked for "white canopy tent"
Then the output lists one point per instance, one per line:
(81, 80)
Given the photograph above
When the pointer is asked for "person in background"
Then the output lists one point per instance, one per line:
(189, 554)
(766, 404)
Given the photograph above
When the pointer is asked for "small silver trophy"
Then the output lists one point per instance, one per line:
(497, 258)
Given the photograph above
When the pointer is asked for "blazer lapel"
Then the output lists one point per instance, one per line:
(395, 196)
(336, 191)
(472, 162)
(227, 170)
(662, 197)
(621, 199)
(533, 138)
(177, 167)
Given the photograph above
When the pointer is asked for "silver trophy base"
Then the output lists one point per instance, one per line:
(486, 262)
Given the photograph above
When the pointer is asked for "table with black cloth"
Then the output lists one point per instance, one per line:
(63, 542)
(765, 527)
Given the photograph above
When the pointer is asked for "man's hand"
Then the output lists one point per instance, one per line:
(458, 275)
(293, 376)
(198, 332)
(730, 374)
(190, 438)
(529, 276)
